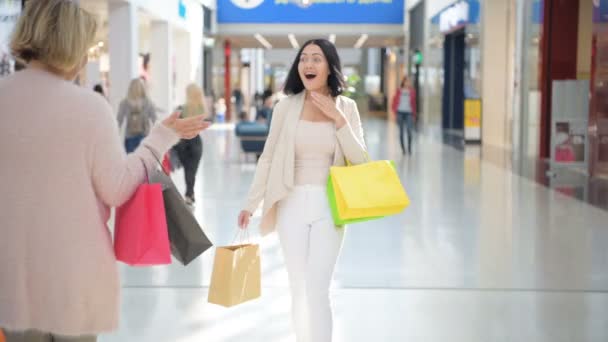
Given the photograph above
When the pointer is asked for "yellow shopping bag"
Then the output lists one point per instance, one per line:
(367, 190)
(236, 275)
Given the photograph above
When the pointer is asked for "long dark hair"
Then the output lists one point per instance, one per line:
(335, 80)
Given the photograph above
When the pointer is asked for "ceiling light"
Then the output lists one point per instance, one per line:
(293, 41)
(263, 41)
(332, 38)
(100, 44)
(361, 41)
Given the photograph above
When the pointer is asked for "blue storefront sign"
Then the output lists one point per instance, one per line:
(310, 11)
(458, 15)
(600, 11)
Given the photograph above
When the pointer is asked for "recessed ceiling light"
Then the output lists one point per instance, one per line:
(293, 41)
(263, 41)
(361, 41)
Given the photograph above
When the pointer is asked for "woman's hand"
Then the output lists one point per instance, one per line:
(328, 107)
(244, 217)
(186, 128)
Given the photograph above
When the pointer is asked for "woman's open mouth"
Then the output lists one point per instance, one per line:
(310, 76)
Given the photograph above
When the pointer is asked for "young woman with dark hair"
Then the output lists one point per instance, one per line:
(311, 130)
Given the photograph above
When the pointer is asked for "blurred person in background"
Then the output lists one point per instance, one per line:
(190, 151)
(64, 168)
(237, 95)
(404, 107)
(264, 115)
(139, 112)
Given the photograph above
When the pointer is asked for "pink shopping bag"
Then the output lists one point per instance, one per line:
(141, 236)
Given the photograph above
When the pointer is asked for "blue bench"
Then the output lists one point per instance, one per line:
(252, 136)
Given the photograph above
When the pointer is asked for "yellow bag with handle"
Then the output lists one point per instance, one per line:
(369, 190)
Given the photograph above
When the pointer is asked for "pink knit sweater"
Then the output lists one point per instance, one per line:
(62, 166)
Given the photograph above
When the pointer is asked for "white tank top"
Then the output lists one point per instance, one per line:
(314, 152)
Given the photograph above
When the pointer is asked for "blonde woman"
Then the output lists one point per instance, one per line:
(65, 168)
(190, 151)
(139, 112)
(311, 129)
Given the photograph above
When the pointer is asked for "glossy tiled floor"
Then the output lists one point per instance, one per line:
(481, 255)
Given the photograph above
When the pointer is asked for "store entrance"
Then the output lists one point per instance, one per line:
(453, 85)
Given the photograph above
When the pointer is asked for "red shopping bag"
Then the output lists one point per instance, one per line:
(167, 164)
(141, 236)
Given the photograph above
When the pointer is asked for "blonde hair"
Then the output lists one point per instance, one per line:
(195, 98)
(137, 93)
(57, 33)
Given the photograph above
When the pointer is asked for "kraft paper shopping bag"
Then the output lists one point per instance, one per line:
(236, 275)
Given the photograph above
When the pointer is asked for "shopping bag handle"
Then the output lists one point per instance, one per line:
(155, 157)
(145, 170)
(348, 163)
(240, 233)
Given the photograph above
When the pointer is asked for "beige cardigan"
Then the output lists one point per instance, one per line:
(274, 176)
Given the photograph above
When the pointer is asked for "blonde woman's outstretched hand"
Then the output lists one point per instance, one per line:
(187, 128)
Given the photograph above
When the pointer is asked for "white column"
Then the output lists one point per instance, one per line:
(123, 44)
(260, 68)
(161, 66)
(182, 55)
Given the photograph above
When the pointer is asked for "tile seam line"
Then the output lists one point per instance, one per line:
(380, 288)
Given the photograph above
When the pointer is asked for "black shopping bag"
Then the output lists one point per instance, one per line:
(187, 238)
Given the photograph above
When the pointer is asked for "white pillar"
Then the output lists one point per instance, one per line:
(182, 55)
(161, 66)
(260, 70)
(123, 45)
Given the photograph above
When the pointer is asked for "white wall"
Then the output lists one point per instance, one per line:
(435, 6)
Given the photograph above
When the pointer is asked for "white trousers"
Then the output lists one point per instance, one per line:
(311, 245)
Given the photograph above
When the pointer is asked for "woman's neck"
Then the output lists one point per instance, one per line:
(37, 65)
(324, 91)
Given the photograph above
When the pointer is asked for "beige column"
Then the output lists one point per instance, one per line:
(497, 61)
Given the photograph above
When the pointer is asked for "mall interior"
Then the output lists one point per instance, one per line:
(507, 176)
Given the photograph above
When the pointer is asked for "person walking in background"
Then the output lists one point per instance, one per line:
(139, 112)
(404, 107)
(313, 128)
(65, 167)
(264, 114)
(190, 151)
(237, 94)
